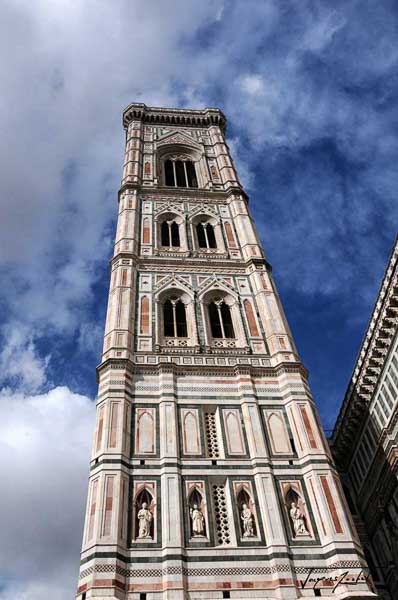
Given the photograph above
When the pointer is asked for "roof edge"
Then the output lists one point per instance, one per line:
(175, 116)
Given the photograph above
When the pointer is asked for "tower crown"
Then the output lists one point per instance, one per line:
(174, 116)
(172, 148)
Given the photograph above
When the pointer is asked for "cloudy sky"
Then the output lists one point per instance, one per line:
(310, 91)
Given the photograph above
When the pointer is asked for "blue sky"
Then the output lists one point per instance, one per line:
(310, 93)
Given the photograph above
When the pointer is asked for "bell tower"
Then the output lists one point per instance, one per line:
(210, 476)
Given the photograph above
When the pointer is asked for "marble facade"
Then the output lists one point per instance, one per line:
(210, 474)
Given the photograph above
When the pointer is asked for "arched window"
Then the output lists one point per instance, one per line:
(221, 320)
(206, 237)
(174, 319)
(170, 234)
(180, 173)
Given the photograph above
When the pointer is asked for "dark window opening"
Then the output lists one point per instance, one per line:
(175, 234)
(142, 595)
(226, 594)
(292, 445)
(168, 318)
(215, 323)
(206, 235)
(170, 234)
(181, 322)
(200, 230)
(180, 173)
(174, 319)
(211, 238)
(165, 233)
(221, 320)
(169, 172)
(317, 592)
(192, 181)
(227, 321)
(84, 596)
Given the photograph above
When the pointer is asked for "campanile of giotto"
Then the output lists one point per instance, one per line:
(210, 476)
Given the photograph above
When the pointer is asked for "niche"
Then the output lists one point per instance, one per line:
(197, 515)
(246, 512)
(144, 516)
(297, 514)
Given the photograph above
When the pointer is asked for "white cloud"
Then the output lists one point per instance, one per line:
(252, 84)
(68, 70)
(44, 458)
(20, 364)
(321, 27)
(90, 337)
(64, 88)
(246, 177)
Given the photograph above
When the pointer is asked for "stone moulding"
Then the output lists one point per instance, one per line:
(175, 116)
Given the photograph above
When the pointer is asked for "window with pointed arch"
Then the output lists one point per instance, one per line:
(180, 172)
(220, 319)
(205, 235)
(174, 318)
(170, 234)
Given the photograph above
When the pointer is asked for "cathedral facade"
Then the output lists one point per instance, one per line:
(210, 474)
(365, 437)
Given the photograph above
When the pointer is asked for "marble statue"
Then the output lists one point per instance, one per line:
(144, 521)
(198, 521)
(298, 520)
(247, 519)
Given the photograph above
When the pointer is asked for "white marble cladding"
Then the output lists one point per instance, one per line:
(210, 476)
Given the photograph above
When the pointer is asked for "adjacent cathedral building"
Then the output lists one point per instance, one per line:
(365, 438)
(210, 474)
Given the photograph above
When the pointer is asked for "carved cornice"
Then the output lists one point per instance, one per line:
(380, 332)
(184, 194)
(174, 116)
(133, 368)
(184, 263)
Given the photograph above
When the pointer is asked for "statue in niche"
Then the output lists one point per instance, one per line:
(298, 520)
(144, 521)
(213, 171)
(198, 521)
(247, 521)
